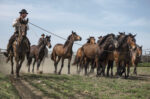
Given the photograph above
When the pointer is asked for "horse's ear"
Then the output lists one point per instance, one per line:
(134, 35)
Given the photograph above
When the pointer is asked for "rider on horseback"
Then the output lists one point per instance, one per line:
(41, 39)
(16, 23)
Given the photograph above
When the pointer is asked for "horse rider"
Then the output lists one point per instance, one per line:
(23, 14)
(41, 39)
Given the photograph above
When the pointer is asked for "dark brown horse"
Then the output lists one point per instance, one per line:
(64, 51)
(124, 55)
(97, 52)
(90, 40)
(20, 47)
(113, 55)
(37, 52)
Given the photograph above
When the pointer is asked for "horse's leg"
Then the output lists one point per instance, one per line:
(38, 64)
(86, 66)
(17, 66)
(20, 65)
(135, 68)
(62, 65)
(69, 60)
(103, 68)
(12, 65)
(29, 63)
(77, 68)
(128, 69)
(98, 69)
(111, 66)
(92, 67)
(33, 65)
(56, 63)
(80, 65)
(108, 68)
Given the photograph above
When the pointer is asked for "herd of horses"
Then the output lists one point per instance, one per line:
(110, 49)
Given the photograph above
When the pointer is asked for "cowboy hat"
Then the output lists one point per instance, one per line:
(23, 11)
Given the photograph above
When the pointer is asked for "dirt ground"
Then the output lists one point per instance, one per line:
(47, 66)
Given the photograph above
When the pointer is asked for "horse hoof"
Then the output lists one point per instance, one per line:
(59, 73)
(97, 75)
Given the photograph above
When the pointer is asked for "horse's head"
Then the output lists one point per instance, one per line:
(99, 39)
(23, 27)
(47, 41)
(112, 41)
(91, 40)
(121, 36)
(131, 41)
(75, 37)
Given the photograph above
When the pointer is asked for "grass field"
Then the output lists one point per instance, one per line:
(7, 90)
(82, 87)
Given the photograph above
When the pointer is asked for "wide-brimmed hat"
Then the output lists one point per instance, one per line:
(43, 34)
(23, 11)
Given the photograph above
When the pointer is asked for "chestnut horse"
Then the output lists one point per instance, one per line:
(136, 55)
(37, 52)
(64, 51)
(90, 40)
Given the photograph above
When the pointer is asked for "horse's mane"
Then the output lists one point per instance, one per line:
(68, 40)
(123, 40)
(105, 38)
(88, 40)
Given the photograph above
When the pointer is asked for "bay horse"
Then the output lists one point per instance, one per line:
(90, 40)
(64, 51)
(97, 52)
(124, 54)
(113, 55)
(20, 47)
(136, 55)
(37, 52)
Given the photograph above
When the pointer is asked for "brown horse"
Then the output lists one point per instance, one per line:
(124, 55)
(113, 55)
(97, 52)
(37, 52)
(64, 51)
(90, 40)
(136, 55)
(20, 47)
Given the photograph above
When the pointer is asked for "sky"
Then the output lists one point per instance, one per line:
(85, 17)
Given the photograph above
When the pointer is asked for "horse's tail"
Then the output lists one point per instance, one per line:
(5, 54)
(53, 55)
(76, 60)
